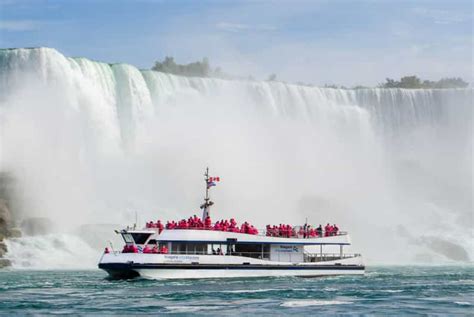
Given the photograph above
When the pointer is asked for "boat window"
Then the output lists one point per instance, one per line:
(215, 248)
(127, 237)
(140, 238)
(178, 248)
(197, 248)
(258, 251)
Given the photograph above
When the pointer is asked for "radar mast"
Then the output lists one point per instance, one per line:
(206, 207)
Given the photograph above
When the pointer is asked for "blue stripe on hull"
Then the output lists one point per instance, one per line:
(132, 266)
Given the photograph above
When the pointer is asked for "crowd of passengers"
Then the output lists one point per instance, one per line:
(306, 231)
(195, 222)
(282, 230)
(147, 249)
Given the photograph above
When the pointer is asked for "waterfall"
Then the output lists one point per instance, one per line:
(92, 142)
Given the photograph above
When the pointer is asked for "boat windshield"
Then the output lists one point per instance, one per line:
(140, 238)
(137, 237)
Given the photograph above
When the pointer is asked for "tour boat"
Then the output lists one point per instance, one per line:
(200, 249)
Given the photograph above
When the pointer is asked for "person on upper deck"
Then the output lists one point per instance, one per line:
(331, 231)
(208, 222)
(319, 231)
(326, 230)
(160, 226)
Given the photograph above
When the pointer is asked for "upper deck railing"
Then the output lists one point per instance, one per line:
(296, 232)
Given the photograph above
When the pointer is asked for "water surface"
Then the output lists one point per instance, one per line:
(382, 291)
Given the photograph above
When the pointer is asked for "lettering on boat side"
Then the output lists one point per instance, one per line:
(287, 248)
(181, 258)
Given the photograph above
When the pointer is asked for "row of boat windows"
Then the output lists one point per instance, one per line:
(260, 251)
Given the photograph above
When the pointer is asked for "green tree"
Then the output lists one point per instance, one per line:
(410, 82)
(389, 83)
(359, 87)
(451, 83)
(199, 69)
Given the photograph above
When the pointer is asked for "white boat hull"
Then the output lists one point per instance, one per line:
(197, 274)
(154, 266)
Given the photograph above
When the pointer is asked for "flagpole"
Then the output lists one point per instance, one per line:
(207, 202)
(207, 184)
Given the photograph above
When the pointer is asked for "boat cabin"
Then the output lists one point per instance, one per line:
(195, 242)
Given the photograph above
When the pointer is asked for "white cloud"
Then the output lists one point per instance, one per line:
(239, 27)
(18, 25)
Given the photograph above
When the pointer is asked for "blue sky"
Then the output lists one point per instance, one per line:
(342, 42)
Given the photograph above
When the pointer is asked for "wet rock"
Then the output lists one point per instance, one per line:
(14, 233)
(3, 249)
(5, 218)
(5, 263)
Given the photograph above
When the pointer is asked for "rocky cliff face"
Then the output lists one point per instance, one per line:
(7, 229)
(5, 220)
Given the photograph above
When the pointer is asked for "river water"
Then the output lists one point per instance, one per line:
(389, 290)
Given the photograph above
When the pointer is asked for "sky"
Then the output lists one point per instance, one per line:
(319, 42)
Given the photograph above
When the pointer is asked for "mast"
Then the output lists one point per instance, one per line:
(206, 207)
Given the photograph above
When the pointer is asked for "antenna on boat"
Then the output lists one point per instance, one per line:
(207, 199)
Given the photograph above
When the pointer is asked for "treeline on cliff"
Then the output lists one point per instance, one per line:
(195, 69)
(417, 83)
(203, 69)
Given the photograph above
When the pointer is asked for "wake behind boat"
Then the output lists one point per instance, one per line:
(198, 248)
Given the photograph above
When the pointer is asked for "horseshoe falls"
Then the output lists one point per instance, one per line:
(94, 143)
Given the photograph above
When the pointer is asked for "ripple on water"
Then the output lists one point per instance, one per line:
(192, 308)
(248, 291)
(313, 302)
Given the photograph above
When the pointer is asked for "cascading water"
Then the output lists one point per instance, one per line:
(93, 143)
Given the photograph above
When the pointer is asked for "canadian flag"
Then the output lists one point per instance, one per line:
(214, 179)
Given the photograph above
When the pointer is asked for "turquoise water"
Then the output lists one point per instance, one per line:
(382, 291)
